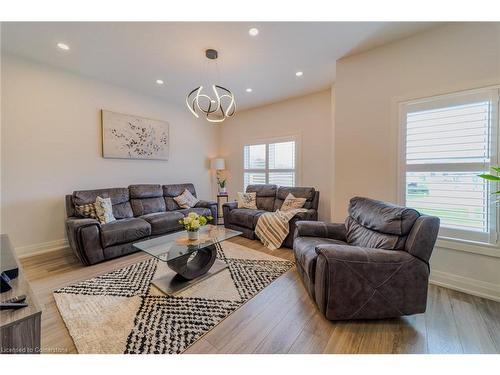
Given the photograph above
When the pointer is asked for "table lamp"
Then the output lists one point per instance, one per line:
(219, 165)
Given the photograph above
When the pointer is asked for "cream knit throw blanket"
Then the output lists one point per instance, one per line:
(272, 227)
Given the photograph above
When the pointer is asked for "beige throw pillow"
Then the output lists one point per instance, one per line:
(104, 210)
(186, 199)
(247, 200)
(291, 203)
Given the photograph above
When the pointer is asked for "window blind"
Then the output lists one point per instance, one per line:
(255, 157)
(272, 163)
(448, 142)
(457, 134)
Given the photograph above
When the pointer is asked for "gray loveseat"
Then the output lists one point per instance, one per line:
(375, 265)
(269, 199)
(142, 211)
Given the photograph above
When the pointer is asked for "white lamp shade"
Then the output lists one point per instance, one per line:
(218, 163)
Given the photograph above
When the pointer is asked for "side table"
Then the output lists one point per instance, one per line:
(221, 198)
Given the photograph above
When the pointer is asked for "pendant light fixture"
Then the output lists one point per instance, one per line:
(216, 103)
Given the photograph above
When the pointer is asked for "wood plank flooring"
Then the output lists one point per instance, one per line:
(283, 319)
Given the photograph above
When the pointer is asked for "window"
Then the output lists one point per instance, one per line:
(448, 141)
(270, 163)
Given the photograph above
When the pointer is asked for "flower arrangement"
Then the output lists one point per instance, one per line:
(221, 181)
(192, 222)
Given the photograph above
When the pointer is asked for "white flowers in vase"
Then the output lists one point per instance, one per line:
(193, 222)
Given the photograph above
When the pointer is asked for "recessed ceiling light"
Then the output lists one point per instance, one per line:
(253, 31)
(159, 81)
(63, 46)
(299, 74)
(248, 90)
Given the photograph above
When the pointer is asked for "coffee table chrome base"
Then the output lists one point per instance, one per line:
(171, 283)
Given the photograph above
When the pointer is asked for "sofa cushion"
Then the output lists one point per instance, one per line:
(174, 190)
(382, 217)
(146, 199)
(125, 230)
(244, 217)
(297, 192)
(266, 195)
(145, 191)
(186, 199)
(199, 210)
(247, 200)
(146, 206)
(119, 200)
(122, 210)
(117, 195)
(358, 235)
(305, 252)
(163, 222)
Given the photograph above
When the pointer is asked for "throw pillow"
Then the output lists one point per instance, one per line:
(291, 203)
(86, 210)
(186, 199)
(247, 200)
(104, 210)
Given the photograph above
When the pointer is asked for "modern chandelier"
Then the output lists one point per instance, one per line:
(216, 104)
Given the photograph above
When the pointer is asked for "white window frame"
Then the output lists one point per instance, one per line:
(491, 93)
(266, 170)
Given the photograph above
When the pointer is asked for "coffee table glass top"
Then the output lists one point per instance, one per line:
(175, 245)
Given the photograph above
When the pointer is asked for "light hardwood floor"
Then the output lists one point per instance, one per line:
(283, 319)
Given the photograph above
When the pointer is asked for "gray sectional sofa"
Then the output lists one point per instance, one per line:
(269, 199)
(375, 265)
(142, 211)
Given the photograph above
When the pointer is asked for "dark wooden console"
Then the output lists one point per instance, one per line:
(20, 330)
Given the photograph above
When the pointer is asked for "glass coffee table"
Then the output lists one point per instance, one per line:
(190, 261)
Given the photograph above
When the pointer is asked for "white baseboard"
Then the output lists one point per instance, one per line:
(41, 248)
(466, 285)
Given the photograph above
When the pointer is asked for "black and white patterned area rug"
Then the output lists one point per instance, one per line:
(121, 312)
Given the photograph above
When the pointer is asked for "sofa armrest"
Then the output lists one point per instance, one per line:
(84, 238)
(310, 214)
(227, 207)
(212, 205)
(353, 282)
(358, 254)
(320, 229)
(422, 237)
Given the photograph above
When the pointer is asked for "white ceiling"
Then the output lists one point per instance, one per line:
(135, 54)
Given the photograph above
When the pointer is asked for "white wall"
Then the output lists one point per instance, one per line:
(308, 117)
(51, 145)
(369, 87)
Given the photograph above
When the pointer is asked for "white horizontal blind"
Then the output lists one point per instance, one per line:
(459, 199)
(454, 134)
(449, 141)
(282, 163)
(251, 178)
(273, 163)
(255, 157)
(282, 178)
(282, 155)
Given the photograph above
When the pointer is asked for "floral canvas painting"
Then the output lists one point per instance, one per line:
(133, 137)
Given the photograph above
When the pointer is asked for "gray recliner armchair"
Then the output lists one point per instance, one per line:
(375, 265)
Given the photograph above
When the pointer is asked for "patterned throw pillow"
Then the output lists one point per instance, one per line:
(86, 210)
(104, 210)
(247, 200)
(186, 199)
(291, 203)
